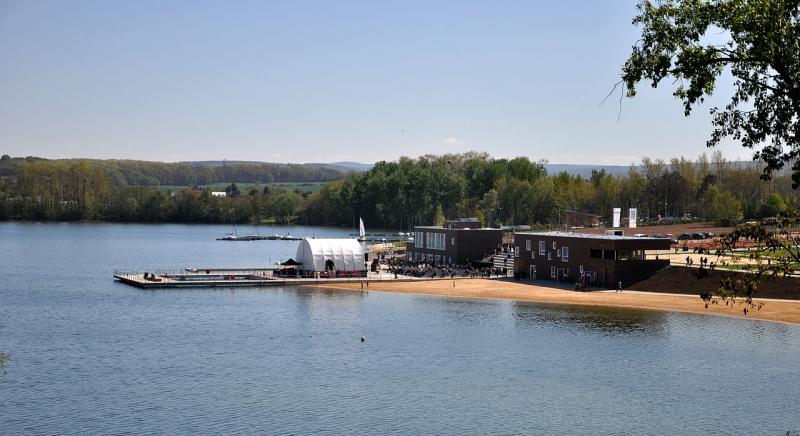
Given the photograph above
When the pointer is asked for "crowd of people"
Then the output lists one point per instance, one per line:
(422, 269)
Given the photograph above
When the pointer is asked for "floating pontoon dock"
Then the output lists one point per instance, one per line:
(238, 277)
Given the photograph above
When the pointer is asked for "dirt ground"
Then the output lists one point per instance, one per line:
(682, 280)
(785, 311)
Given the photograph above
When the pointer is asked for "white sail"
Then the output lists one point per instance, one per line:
(361, 233)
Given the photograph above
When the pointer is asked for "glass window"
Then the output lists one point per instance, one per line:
(552, 272)
(565, 254)
(542, 248)
(435, 241)
(528, 245)
(596, 254)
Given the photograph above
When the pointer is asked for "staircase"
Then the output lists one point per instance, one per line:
(503, 260)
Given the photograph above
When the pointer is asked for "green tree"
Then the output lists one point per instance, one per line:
(721, 206)
(284, 205)
(693, 42)
(773, 206)
(438, 217)
(232, 190)
(489, 206)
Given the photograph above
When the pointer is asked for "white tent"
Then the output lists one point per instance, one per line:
(346, 254)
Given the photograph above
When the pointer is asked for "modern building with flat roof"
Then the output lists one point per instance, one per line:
(453, 246)
(599, 260)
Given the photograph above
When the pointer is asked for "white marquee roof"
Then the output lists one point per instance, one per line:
(347, 254)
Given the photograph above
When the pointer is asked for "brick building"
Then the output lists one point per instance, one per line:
(453, 245)
(602, 260)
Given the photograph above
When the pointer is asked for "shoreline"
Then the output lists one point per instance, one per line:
(783, 311)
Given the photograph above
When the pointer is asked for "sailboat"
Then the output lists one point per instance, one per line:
(362, 239)
(235, 236)
(362, 235)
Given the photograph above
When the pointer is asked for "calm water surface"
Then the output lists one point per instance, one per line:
(90, 355)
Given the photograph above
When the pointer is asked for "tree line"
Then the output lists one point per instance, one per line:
(68, 190)
(407, 192)
(146, 173)
(518, 191)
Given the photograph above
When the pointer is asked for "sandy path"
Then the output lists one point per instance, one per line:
(680, 258)
(772, 310)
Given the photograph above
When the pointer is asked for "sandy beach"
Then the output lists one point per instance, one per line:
(772, 310)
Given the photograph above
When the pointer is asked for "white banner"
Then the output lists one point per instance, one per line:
(617, 215)
(632, 218)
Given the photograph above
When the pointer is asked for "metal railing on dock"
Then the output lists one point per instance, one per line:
(230, 277)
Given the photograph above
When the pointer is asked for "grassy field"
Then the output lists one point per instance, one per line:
(244, 188)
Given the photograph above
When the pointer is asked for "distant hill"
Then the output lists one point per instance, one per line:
(214, 171)
(222, 163)
(586, 170)
(337, 166)
(147, 173)
(349, 166)
(616, 170)
(572, 169)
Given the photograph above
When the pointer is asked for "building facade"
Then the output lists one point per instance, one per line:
(598, 260)
(452, 246)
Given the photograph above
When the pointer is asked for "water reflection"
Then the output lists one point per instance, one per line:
(3, 359)
(605, 320)
(318, 303)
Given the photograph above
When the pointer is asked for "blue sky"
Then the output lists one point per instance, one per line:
(305, 81)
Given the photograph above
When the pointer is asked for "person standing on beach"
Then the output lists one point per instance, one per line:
(619, 286)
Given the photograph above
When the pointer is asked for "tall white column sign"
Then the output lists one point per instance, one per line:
(632, 217)
(617, 214)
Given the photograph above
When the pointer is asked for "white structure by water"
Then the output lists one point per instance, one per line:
(346, 254)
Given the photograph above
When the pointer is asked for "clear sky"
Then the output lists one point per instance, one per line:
(325, 81)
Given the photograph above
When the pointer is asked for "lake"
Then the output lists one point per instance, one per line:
(90, 355)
